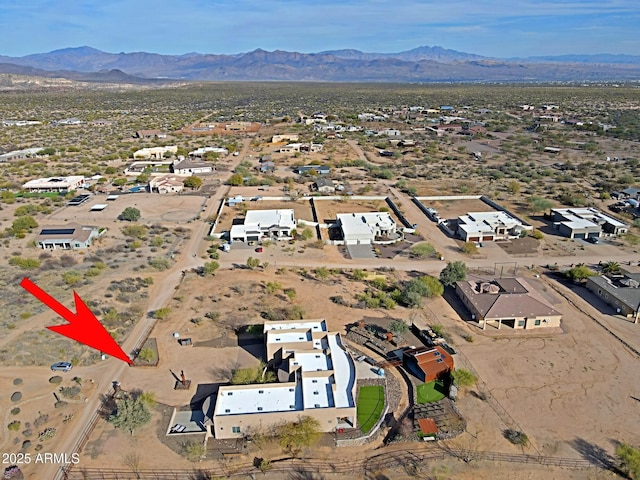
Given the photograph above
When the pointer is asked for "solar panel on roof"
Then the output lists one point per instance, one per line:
(57, 231)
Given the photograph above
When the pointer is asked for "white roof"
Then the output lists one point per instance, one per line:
(202, 150)
(487, 222)
(361, 223)
(270, 397)
(315, 325)
(99, 206)
(586, 217)
(267, 218)
(325, 374)
(54, 182)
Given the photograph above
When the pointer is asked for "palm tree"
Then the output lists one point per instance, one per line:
(610, 267)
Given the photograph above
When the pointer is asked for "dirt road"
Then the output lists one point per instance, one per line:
(160, 294)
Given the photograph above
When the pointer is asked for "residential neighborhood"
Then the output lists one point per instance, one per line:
(439, 278)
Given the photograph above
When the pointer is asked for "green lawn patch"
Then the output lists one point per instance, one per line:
(370, 406)
(431, 392)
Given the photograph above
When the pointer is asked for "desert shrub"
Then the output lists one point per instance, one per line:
(26, 263)
(72, 277)
(162, 313)
(422, 250)
(14, 426)
(16, 397)
(15, 411)
(57, 379)
(537, 234)
(194, 451)
(69, 392)
(147, 355)
(160, 263)
(60, 404)
(516, 437)
(17, 381)
(47, 433)
(358, 275)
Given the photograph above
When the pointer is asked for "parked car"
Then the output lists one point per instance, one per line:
(259, 250)
(449, 348)
(61, 367)
(593, 240)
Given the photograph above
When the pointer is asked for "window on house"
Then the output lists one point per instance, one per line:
(521, 323)
(235, 429)
(538, 322)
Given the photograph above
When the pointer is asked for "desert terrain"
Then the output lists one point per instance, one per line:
(571, 390)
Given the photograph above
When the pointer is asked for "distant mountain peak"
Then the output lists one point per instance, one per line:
(420, 64)
(83, 51)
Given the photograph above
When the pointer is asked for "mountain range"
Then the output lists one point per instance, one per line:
(422, 64)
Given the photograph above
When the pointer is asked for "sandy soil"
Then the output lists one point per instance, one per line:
(566, 389)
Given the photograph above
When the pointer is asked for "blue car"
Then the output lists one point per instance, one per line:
(61, 367)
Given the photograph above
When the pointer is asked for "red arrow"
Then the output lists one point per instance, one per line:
(83, 326)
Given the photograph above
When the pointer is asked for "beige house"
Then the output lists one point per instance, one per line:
(167, 184)
(286, 137)
(507, 302)
(71, 236)
(316, 378)
(156, 152)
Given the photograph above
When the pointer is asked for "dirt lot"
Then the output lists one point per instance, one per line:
(563, 389)
(456, 208)
(153, 208)
(566, 391)
(301, 210)
(328, 209)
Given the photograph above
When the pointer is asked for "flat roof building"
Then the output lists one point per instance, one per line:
(317, 379)
(55, 184)
(366, 228)
(156, 152)
(489, 226)
(202, 151)
(21, 154)
(260, 224)
(586, 223)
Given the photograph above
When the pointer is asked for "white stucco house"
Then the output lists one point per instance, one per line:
(367, 228)
(262, 224)
(316, 378)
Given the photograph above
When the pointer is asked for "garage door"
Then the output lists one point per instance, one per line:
(579, 235)
(473, 239)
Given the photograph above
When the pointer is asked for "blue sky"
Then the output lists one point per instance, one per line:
(501, 28)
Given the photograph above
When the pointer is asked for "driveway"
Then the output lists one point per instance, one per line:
(361, 251)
